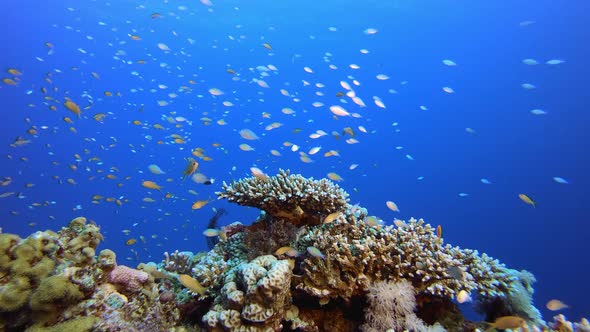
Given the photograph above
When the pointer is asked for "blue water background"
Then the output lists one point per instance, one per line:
(517, 151)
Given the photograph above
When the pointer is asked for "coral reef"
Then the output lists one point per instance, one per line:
(339, 260)
(311, 262)
(54, 282)
(180, 262)
(254, 296)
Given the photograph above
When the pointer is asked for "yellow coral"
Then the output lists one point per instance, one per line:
(77, 224)
(79, 324)
(7, 244)
(89, 237)
(52, 291)
(31, 261)
(14, 294)
(107, 258)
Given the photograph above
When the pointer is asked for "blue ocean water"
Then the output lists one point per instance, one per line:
(427, 150)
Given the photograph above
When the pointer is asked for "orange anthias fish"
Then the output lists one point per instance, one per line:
(527, 199)
(555, 305)
(150, 185)
(191, 168)
(506, 322)
(199, 204)
(73, 107)
(192, 284)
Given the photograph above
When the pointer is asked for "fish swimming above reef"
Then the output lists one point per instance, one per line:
(506, 322)
(190, 168)
(555, 305)
(213, 223)
(202, 179)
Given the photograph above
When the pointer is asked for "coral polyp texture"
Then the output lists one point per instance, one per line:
(310, 262)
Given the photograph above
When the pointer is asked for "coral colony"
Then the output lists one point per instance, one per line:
(310, 262)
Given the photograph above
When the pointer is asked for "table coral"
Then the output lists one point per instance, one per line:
(288, 196)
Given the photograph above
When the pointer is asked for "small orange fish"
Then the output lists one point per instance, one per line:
(555, 305)
(282, 250)
(191, 168)
(331, 217)
(192, 284)
(507, 322)
(392, 206)
(15, 72)
(199, 204)
(99, 117)
(439, 231)
(130, 242)
(151, 185)
(334, 176)
(9, 81)
(526, 199)
(73, 107)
